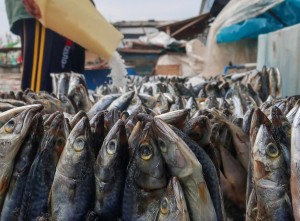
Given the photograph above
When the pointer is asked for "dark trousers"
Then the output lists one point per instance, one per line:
(45, 52)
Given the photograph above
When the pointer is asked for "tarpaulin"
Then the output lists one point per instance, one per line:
(273, 15)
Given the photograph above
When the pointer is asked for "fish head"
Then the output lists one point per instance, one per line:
(78, 152)
(13, 132)
(135, 137)
(177, 155)
(267, 157)
(114, 152)
(77, 117)
(258, 119)
(150, 173)
(173, 205)
(199, 129)
(77, 95)
(67, 104)
(56, 134)
(49, 119)
(97, 123)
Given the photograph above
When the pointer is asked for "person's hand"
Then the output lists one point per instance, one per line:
(32, 8)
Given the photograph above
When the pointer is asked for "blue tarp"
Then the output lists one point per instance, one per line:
(284, 14)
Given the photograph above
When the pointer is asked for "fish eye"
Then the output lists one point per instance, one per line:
(79, 144)
(162, 145)
(146, 152)
(46, 127)
(111, 147)
(272, 150)
(9, 127)
(164, 206)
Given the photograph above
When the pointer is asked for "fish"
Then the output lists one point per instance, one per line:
(162, 104)
(211, 102)
(146, 179)
(295, 158)
(176, 118)
(41, 174)
(273, 82)
(247, 121)
(110, 118)
(236, 175)
(251, 207)
(7, 115)
(178, 104)
(75, 80)
(24, 159)
(291, 114)
(97, 129)
(192, 105)
(72, 192)
(63, 84)
(181, 162)
(241, 142)
(12, 135)
(67, 105)
(173, 205)
(134, 104)
(210, 173)
(79, 97)
(258, 118)
(147, 100)
(132, 120)
(54, 78)
(281, 132)
(102, 104)
(254, 95)
(199, 129)
(13, 102)
(233, 98)
(77, 117)
(48, 119)
(19, 95)
(122, 102)
(270, 178)
(110, 173)
(51, 104)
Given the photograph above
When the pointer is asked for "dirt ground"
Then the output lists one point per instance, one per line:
(10, 82)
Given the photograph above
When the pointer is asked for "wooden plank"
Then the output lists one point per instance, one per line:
(173, 69)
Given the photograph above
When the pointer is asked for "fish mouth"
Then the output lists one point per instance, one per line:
(261, 170)
(148, 182)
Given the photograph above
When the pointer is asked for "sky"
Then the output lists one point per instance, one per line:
(118, 10)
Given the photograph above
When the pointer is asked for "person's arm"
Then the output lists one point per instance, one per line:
(32, 8)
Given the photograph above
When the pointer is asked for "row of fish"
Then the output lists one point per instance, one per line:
(159, 149)
(272, 190)
(52, 168)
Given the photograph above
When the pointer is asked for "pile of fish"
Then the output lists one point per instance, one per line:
(273, 178)
(159, 149)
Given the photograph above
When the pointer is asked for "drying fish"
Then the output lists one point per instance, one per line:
(173, 206)
(24, 159)
(72, 192)
(110, 173)
(146, 179)
(41, 174)
(270, 179)
(12, 135)
(182, 163)
(295, 159)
